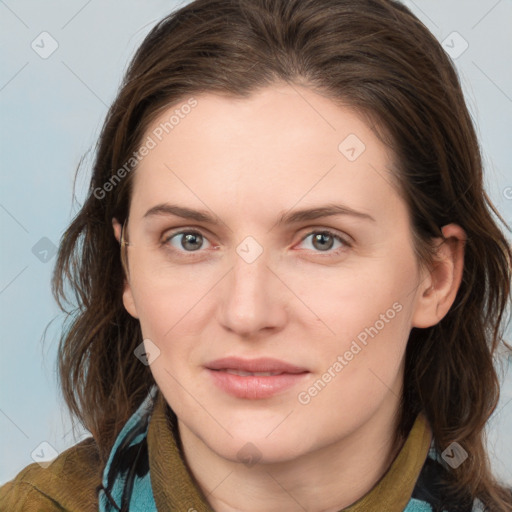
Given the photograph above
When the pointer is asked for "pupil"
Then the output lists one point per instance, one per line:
(321, 238)
(192, 239)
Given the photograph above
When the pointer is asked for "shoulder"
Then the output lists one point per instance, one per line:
(68, 483)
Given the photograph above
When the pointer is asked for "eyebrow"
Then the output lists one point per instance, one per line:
(292, 217)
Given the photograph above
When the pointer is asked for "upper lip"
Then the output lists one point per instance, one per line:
(262, 364)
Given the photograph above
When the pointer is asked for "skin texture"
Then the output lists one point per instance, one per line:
(247, 162)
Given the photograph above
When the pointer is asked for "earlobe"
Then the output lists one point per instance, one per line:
(128, 301)
(117, 229)
(438, 289)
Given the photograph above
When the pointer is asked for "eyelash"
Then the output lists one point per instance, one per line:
(192, 254)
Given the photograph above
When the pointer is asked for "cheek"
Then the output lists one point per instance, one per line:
(357, 373)
(161, 295)
(369, 314)
(377, 293)
(172, 313)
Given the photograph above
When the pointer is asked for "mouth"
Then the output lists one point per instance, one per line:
(261, 365)
(249, 374)
(254, 378)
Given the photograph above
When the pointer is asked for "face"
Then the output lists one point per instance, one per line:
(271, 327)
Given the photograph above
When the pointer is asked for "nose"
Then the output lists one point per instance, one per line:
(253, 298)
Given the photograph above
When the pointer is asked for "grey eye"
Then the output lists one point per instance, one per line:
(324, 241)
(190, 240)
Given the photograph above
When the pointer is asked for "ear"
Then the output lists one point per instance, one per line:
(117, 229)
(440, 284)
(128, 300)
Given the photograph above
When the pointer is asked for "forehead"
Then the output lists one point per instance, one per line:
(281, 145)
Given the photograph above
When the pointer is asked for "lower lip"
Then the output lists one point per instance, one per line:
(254, 387)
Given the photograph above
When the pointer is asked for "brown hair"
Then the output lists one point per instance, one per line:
(375, 56)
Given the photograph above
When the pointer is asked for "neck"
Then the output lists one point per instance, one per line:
(328, 479)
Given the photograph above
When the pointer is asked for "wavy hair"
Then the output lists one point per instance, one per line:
(375, 56)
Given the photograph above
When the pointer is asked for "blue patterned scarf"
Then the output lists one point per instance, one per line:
(126, 479)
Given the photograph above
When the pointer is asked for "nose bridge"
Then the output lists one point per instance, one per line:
(250, 268)
(252, 300)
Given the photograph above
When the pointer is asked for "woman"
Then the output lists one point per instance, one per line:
(290, 284)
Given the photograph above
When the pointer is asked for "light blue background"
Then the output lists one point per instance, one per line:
(52, 110)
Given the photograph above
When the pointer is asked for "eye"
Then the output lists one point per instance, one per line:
(185, 241)
(192, 241)
(324, 240)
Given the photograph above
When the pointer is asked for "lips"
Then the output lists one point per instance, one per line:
(254, 378)
(260, 365)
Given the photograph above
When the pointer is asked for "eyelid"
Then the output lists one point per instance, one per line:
(344, 237)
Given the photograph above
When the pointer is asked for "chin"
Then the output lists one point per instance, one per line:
(258, 441)
(258, 451)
